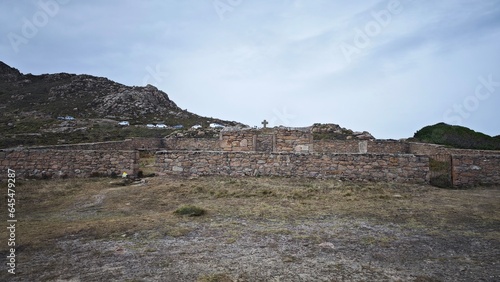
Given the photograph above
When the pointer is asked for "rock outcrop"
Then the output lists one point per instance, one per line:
(334, 131)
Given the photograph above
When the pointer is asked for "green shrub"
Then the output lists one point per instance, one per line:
(190, 210)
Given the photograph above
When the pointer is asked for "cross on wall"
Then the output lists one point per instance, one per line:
(265, 123)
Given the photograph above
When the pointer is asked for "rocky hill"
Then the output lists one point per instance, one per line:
(85, 96)
(31, 105)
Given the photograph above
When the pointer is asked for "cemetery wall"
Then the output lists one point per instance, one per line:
(336, 146)
(280, 152)
(280, 140)
(68, 163)
(293, 141)
(369, 167)
(388, 147)
(238, 141)
(357, 146)
(139, 143)
(265, 143)
(433, 149)
(127, 144)
(472, 170)
(283, 140)
(192, 144)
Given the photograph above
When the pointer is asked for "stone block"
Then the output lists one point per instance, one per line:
(177, 169)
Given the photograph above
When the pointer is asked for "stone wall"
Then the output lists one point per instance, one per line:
(238, 141)
(128, 144)
(138, 143)
(192, 144)
(265, 142)
(280, 140)
(293, 141)
(388, 147)
(433, 149)
(468, 170)
(283, 140)
(280, 152)
(427, 149)
(68, 163)
(370, 167)
(336, 146)
(357, 146)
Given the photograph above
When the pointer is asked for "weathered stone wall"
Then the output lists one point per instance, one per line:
(192, 144)
(238, 141)
(357, 146)
(145, 143)
(427, 149)
(377, 160)
(265, 142)
(392, 147)
(336, 146)
(371, 167)
(128, 144)
(388, 147)
(433, 149)
(293, 141)
(281, 140)
(110, 145)
(68, 163)
(468, 170)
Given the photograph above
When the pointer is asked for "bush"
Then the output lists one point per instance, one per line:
(190, 211)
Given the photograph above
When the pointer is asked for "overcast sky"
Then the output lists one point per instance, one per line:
(389, 67)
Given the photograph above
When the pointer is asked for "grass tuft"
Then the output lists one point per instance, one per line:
(190, 210)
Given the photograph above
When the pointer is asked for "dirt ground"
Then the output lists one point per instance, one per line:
(253, 229)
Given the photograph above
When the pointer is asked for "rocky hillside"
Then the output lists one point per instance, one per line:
(85, 96)
(31, 105)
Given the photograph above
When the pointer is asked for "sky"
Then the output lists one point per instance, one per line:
(388, 67)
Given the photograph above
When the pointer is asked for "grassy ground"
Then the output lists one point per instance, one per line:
(362, 223)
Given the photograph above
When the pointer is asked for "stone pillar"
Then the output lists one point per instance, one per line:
(274, 143)
(135, 162)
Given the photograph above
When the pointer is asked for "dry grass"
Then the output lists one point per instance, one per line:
(94, 208)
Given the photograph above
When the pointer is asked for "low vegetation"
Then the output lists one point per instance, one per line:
(82, 205)
(190, 210)
(457, 137)
(91, 229)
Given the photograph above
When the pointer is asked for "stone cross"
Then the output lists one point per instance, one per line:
(265, 123)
